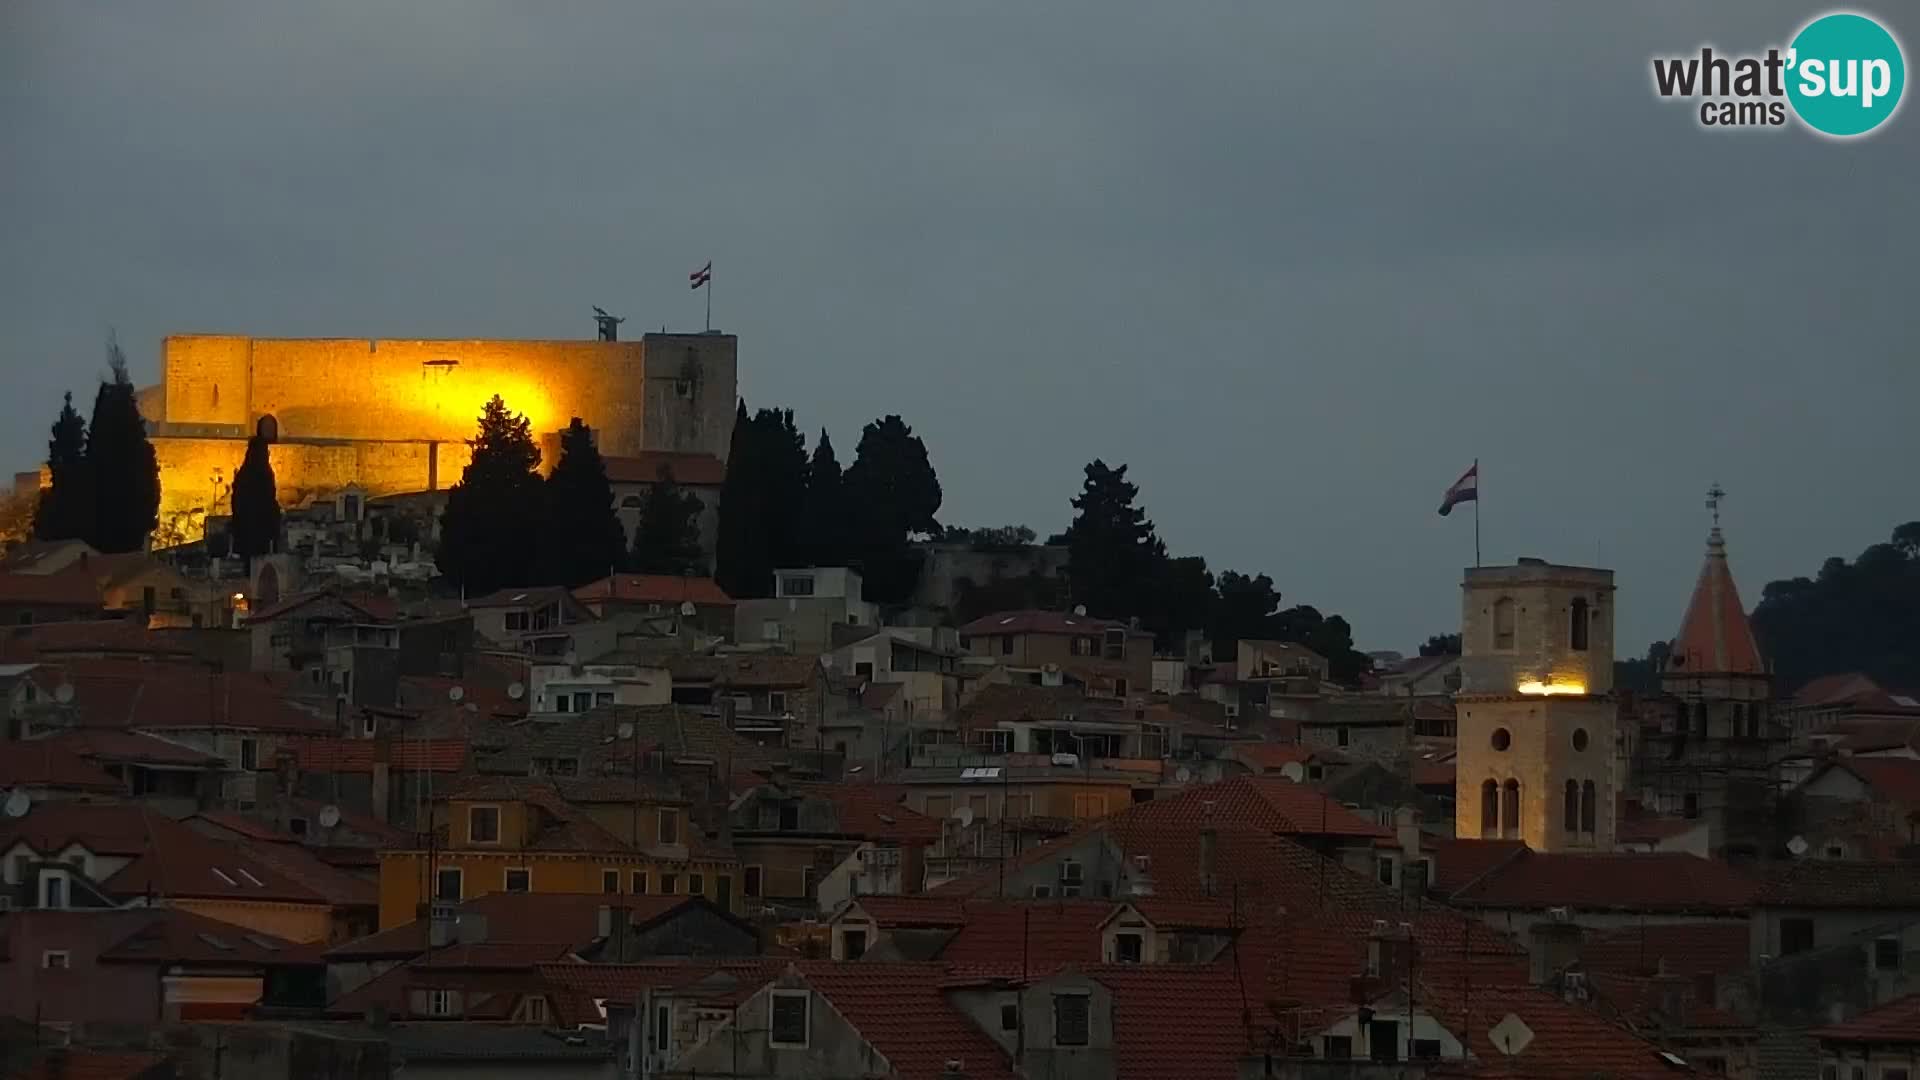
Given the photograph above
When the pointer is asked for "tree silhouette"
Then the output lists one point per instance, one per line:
(892, 493)
(823, 517)
(1856, 616)
(1441, 645)
(667, 540)
(761, 502)
(256, 503)
(488, 535)
(581, 539)
(125, 472)
(1112, 548)
(66, 508)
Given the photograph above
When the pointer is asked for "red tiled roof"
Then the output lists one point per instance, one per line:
(105, 636)
(522, 596)
(1694, 948)
(1894, 779)
(1019, 937)
(1435, 774)
(1641, 1002)
(563, 919)
(1568, 1041)
(372, 607)
(168, 858)
(1040, 622)
(862, 810)
(1835, 689)
(1612, 881)
(890, 912)
(360, 755)
(665, 589)
(71, 586)
(1651, 828)
(74, 1064)
(177, 936)
(42, 763)
(492, 988)
(131, 695)
(737, 979)
(1271, 757)
(1175, 1020)
(1898, 1021)
(1841, 883)
(1272, 803)
(900, 1010)
(1714, 637)
(689, 470)
(133, 748)
(1459, 861)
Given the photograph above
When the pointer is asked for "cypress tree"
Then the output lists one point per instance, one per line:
(823, 519)
(125, 473)
(667, 540)
(740, 556)
(256, 503)
(66, 508)
(488, 535)
(581, 539)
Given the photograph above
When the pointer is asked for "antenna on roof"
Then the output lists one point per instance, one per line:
(18, 803)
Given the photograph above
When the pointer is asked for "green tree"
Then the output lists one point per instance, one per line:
(581, 539)
(1853, 616)
(1642, 674)
(667, 540)
(125, 472)
(1112, 548)
(761, 502)
(1441, 645)
(488, 535)
(1247, 607)
(1181, 598)
(823, 518)
(893, 493)
(256, 503)
(66, 508)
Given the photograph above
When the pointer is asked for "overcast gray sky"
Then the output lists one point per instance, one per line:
(1296, 264)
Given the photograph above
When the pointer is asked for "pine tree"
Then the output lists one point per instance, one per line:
(823, 516)
(125, 472)
(1113, 553)
(256, 503)
(667, 540)
(761, 502)
(489, 531)
(737, 561)
(892, 493)
(66, 508)
(581, 539)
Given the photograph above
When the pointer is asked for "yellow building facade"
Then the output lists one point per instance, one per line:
(1535, 752)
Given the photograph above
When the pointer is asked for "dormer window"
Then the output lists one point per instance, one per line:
(787, 1025)
(1071, 1019)
(1115, 644)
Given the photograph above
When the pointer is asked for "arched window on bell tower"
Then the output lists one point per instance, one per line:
(1589, 806)
(1578, 623)
(1510, 810)
(1572, 808)
(1489, 810)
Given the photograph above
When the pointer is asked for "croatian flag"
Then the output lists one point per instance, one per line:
(1465, 489)
(701, 276)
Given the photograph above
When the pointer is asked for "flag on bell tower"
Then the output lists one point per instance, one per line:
(701, 276)
(1465, 489)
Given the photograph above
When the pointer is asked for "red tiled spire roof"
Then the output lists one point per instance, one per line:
(1715, 638)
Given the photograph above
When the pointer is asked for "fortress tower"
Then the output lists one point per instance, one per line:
(1535, 759)
(393, 416)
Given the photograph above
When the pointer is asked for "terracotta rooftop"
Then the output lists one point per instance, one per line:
(1841, 883)
(689, 470)
(1895, 779)
(176, 936)
(1835, 689)
(360, 755)
(133, 695)
(1642, 1003)
(1568, 1040)
(1459, 861)
(1040, 622)
(1897, 1021)
(80, 1064)
(868, 811)
(1714, 637)
(1271, 756)
(1272, 803)
(43, 763)
(900, 1010)
(1687, 948)
(665, 589)
(1666, 882)
(371, 607)
(571, 920)
(132, 748)
(70, 587)
(744, 669)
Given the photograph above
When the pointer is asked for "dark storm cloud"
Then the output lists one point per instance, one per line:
(1297, 264)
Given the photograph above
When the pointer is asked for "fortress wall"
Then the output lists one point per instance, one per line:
(187, 468)
(691, 384)
(205, 380)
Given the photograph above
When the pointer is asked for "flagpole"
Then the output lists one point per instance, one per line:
(709, 287)
(1476, 512)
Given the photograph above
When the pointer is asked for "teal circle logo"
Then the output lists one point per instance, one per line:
(1845, 74)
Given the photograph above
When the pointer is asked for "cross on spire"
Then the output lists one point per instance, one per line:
(1714, 494)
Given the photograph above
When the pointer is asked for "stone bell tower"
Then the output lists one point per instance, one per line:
(1535, 757)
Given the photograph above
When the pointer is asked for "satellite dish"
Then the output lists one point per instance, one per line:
(1080, 610)
(329, 816)
(1183, 774)
(1292, 771)
(964, 815)
(456, 694)
(855, 769)
(1797, 845)
(63, 693)
(18, 803)
(626, 730)
(516, 691)
(687, 608)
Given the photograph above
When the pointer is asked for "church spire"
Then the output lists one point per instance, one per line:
(1715, 638)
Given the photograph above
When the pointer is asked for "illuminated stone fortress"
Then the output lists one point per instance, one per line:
(392, 416)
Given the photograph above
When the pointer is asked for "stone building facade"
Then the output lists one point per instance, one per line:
(1536, 744)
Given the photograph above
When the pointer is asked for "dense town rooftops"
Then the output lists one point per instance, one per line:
(667, 590)
(1609, 881)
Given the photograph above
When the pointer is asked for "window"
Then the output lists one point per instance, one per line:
(796, 585)
(1120, 688)
(1589, 808)
(789, 817)
(1886, 954)
(662, 1024)
(519, 879)
(440, 1003)
(787, 1017)
(1383, 1040)
(1503, 623)
(1578, 620)
(533, 1010)
(669, 884)
(777, 701)
(1083, 646)
(1070, 1020)
(483, 825)
(297, 826)
(609, 881)
(516, 620)
(1384, 867)
(863, 669)
(1690, 805)
(446, 883)
(853, 944)
(1895, 1073)
(1796, 936)
(1336, 1047)
(750, 883)
(723, 891)
(56, 959)
(53, 890)
(1009, 1017)
(669, 826)
(639, 883)
(1502, 739)
(1571, 810)
(1127, 948)
(696, 885)
(1580, 740)
(1426, 1049)
(993, 741)
(1115, 644)
(1489, 810)
(770, 630)
(249, 754)
(1042, 892)
(1006, 644)
(1510, 810)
